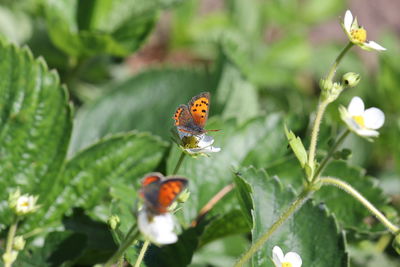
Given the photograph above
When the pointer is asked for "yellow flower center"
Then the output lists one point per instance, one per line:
(360, 35)
(359, 120)
(25, 204)
(286, 264)
(190, 142)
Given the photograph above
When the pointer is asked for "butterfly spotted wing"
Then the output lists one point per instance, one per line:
(192, 119)
(184, 121)
(199, 107)
(159, 192)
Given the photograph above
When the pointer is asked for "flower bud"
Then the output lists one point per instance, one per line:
(325, 85)
(19, 243)
(184, 196)
(396, 243)
(351, 79)
(9, 258)
(114, 222)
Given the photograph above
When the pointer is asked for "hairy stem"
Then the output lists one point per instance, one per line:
(314, 134)
(286, 215)
(339, 58)
(354, 193)
(142, 252)
(10, 241)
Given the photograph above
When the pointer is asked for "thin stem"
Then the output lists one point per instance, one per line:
(339, 58)
(214, 200)
(332, 150)
(142, 252)
(132, 235)
(314, 134)
(291, 210)
(10, 241)
(354, 193)
(179, 163)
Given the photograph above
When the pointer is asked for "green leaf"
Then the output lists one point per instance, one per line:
(100, 245)
(144, 102)
(35, 126)
(297, 145)
(88, 176)
(84, 28)
(237, 95)
(324, 245)
(229, 223)
(59, 249)
(349, 211)
(217, 169)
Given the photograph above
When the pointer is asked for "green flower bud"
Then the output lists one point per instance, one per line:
(19, 243)
(113, 222)
(9, 258)
(396, 243)
(351, 79)
(325, 85)
(184, 196)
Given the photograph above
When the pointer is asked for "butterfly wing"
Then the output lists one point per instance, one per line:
(184, 121)
(152, 178)
(169, 190)
(150, 186)
(199, 107)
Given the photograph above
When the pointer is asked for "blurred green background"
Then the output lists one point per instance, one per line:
(128, 64)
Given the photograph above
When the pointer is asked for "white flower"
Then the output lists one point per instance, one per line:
(194, 144)
(362, 122)
(291, 259)
(357, 34)
(22, 204)
(159, 229)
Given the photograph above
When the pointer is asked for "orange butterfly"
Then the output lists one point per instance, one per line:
(192, 118)
(159, 192)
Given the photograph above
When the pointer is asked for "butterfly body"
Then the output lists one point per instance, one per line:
(192, 118)
(159, 192)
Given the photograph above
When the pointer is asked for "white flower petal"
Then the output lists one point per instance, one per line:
(367, 133)
(209, 149)
(293, 258)
(348, 21)
(159, 229)
(374, 46)
(277, 256)
(374, 118)
(205, 141)
(356, 106)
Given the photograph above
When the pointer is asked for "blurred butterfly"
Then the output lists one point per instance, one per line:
(159, 192)
(192, 118)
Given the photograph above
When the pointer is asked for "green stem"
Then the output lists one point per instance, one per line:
(314, 134)
(142, 252)
(323, 103)
(354, 193)
(292, 209)
(10, 241)
(132, 235)
(332, 150)
(179, 163)
(339, 58)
